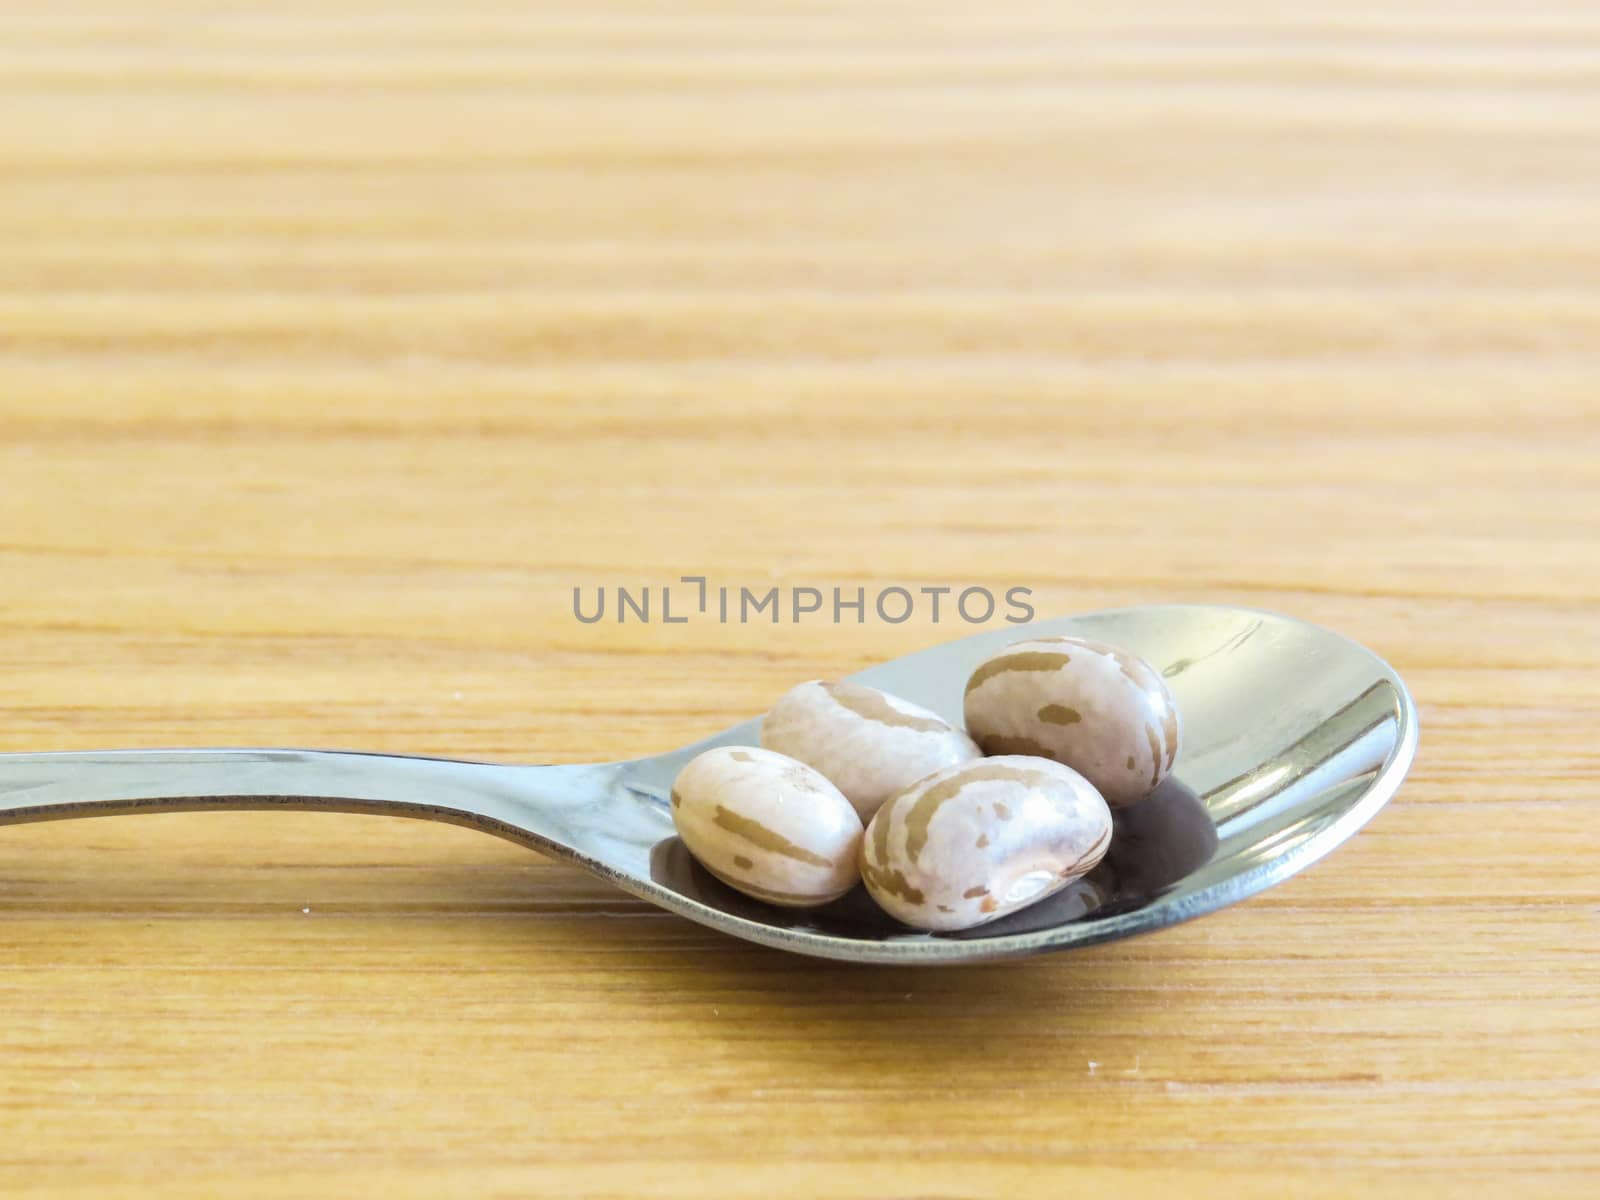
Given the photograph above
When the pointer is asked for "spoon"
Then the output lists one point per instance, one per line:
(1294, 738)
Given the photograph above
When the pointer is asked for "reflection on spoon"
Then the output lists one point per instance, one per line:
(1156, 842)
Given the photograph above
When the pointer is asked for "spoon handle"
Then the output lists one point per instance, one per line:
(525, 804)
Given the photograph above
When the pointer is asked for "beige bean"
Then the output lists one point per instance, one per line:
(976, 841)
(868, 743)
(767, 825)
(1104, 712)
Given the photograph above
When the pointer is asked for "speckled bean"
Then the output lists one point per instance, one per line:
(767, 825)
(976, 841)
(868, 743)
(1102, 711)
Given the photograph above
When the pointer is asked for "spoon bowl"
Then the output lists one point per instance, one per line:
(1294, 737)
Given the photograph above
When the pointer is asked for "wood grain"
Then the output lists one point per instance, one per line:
(339, 342)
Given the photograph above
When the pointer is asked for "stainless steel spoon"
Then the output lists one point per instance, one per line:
(1294, 738)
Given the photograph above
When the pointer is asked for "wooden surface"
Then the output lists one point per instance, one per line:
(339, 342)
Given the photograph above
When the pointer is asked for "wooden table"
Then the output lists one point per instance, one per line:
(339, 343)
